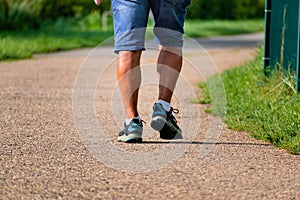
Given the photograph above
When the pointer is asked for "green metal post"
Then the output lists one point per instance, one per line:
(266, 59)
(282, 37)
(298, 53)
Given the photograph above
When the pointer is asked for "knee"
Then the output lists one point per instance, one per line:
(170, 49)
(128, 60)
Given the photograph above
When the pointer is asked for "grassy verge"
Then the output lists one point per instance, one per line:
(70, 34)
(267, 108)
(18, 45)
(62, 34)
(208, 28)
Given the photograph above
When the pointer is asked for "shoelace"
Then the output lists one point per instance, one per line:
(142, 121)
(175, 111)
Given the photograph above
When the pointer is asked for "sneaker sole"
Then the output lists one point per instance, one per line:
(158, 123)
(131, 138)
(166, 134)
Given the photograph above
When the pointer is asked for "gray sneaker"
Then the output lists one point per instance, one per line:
(131, 133)
(165, 123)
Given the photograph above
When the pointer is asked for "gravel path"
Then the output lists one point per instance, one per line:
(45, 151)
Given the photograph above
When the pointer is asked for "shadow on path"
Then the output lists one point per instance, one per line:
(207, 143)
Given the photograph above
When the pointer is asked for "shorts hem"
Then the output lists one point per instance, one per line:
(118, 49)
(169, 44)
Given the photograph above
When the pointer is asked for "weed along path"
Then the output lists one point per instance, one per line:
(59, 118)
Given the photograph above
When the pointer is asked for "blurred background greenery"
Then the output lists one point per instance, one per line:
(34, 14)
(226, 9)
(39, 26)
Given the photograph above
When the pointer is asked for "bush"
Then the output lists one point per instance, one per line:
(226, 9)
(17, 14)
(30, 14)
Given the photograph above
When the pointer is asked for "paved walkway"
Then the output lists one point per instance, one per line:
(46, 126)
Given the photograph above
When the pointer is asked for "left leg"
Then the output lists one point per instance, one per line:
(129, 79)
(130, 21)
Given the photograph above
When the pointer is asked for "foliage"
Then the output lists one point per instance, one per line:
(266, 107)
(226, 9)
(31, 14)
(65, 33)
(20, 45)
(207, 28)
(68, 33)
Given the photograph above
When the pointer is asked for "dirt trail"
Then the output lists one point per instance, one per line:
(43, 155)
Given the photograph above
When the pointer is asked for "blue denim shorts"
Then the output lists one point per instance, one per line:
(131, 17)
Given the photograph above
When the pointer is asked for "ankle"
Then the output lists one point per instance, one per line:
(128, 120)
(166, 105)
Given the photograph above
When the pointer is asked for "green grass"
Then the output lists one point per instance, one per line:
(73, 33)
(267, 108)
(63, 34)
(208, 28)
(19, 45)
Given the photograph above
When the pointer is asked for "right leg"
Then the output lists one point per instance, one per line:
(168, 66)
(169, 19)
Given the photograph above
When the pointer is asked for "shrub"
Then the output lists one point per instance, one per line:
(226, 9)
(30, 14)
(17, 14)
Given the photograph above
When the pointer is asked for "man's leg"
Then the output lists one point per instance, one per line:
(169, 20)
(130, 21)
(168, 66)
(129, 78)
